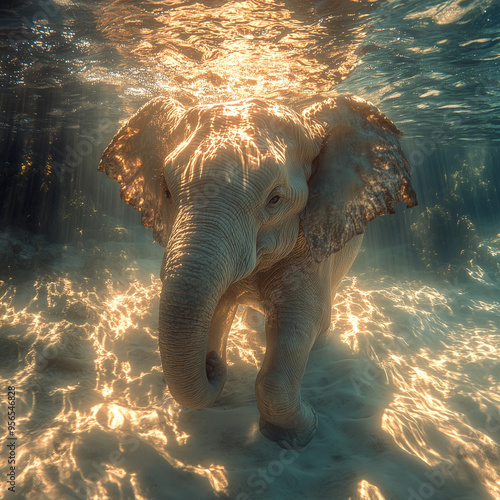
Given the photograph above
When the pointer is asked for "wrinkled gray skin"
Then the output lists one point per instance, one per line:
(260, 205)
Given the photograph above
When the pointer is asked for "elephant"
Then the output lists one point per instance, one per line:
(258, 204)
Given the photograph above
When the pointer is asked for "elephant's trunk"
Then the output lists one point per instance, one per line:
(197, 271)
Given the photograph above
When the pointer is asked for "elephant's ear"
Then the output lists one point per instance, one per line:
(135, 158)
(361, 172)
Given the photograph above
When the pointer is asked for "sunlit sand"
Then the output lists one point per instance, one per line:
(404, 385)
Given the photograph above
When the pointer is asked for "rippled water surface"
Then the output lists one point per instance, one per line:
(407, 384)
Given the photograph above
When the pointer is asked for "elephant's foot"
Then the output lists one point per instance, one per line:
(291, 439)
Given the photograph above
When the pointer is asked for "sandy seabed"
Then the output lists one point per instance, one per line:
(406, 387)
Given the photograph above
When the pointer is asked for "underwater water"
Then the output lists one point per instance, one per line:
(407, 383)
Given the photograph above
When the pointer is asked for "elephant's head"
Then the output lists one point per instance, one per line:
(227, 188)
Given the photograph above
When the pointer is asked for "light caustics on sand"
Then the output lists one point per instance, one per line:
(427, 344)
(91, 370)
(92, 396)
(94, 417)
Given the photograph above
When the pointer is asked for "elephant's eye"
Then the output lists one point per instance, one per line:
(274, 200)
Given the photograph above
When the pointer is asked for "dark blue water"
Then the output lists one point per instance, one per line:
(69, 74)
(416, 325)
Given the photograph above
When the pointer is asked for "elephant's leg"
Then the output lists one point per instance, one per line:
(217, 337)
(291, 330)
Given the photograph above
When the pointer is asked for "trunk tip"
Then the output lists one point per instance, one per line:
(216, 368)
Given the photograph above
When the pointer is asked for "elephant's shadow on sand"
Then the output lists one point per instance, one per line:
(350, 395)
